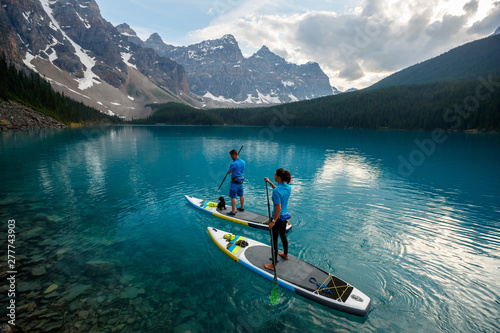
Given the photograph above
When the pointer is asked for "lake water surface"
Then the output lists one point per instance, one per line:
(101, 220)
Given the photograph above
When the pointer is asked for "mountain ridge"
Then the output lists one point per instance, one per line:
(217, 70)
(450, 104)
(110, 68)
(87, 58)
(468, 61)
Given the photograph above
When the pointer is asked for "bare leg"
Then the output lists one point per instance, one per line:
(233, 205)
(242, 202)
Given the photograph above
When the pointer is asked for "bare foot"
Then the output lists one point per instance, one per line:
(269, 266)
(283, 255)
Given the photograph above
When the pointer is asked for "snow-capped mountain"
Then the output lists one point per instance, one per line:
(110, 68)
(128, 33)
(217, 70)
(81, 54)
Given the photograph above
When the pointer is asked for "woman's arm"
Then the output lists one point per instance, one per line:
(270, 183)
(277, 212)
(276, 215)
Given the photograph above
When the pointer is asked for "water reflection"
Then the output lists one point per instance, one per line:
(350, 168)
(102, 212)
(94, 166)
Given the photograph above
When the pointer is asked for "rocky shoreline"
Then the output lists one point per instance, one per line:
(14, 115)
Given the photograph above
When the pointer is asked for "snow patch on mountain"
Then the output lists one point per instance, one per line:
(26, 16)
(89, 78)
(85, 22)
(260, 99)
(267, 99)
(51, 51)
(126, 57)
(27, 61)
(219, 99)
(66, 87)
(53, 56)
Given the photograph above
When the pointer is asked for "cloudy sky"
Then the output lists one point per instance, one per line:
(356, 42)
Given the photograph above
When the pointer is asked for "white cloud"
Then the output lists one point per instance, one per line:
(360, 46)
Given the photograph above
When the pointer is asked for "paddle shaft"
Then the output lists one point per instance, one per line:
(227, 173)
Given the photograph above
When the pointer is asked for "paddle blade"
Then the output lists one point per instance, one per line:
(275, 293)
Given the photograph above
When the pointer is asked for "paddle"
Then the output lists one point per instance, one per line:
(227, 173)
(275, 293)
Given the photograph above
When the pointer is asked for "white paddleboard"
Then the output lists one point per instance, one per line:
(247, 218)
(293, 274)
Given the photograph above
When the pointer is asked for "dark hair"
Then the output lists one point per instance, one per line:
(233, 152)
(284, 175)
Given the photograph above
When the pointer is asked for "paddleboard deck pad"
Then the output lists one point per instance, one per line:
(293, 274)
(245, 218)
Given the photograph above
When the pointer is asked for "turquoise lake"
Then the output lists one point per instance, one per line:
(106, 242)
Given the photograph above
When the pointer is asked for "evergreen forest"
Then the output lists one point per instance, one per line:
(451, 105)
(30, 89)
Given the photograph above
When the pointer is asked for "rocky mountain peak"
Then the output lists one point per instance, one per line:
(266, 54)
(217, 51)
(263, 51)
(225, 45)
(124, 28)
(154, 38)
(129, 33)
(312, 63)
(229, 39)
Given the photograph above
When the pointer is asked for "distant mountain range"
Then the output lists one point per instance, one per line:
(109, 68)
(71, 45)
(457, 91)
(216, 69)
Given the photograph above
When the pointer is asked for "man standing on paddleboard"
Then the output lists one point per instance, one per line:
(281, 215)
(236, 170)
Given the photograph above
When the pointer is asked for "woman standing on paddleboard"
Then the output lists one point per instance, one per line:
(281, 215)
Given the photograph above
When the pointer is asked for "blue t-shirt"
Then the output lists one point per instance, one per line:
(281, 194)
(237, 168)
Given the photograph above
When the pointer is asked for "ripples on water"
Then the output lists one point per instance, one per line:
(426, 248)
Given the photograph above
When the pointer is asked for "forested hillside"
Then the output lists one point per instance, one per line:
(463, 105)
(31, 90)
(179, 114)
(480, 57)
